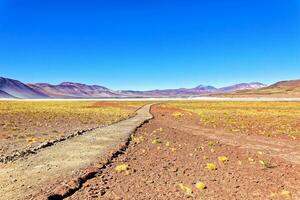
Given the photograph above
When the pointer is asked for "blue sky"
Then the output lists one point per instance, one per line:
(148, 44)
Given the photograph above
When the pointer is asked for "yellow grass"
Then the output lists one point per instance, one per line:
(265, 118)
(30, 122)
(223, 159)
(200, 185)
(211, 166)
(121, 168)
(185, 189)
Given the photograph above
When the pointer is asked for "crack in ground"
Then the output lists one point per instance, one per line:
(33, 150)
(83, 179)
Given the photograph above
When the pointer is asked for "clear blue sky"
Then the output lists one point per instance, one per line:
(148, 44)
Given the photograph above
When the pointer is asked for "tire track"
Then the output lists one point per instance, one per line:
(284, 148)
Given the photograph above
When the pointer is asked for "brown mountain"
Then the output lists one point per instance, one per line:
(286, 85)
(290, 88)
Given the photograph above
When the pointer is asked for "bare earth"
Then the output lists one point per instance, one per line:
(155, 169)
(162, 154)
(284, 148)
(63, 160)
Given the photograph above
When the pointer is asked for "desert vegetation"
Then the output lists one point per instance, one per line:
(26, 123)
(167, 159)
(264, 118)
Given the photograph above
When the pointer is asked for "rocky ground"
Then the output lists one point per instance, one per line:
(27, 126)
(167, 160)
(27, 177)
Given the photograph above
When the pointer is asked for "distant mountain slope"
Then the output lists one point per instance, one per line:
(173, 92)
(73, 90)
(242, 86)
(199, 90)
(286, 85)
(289, 88)
(20, 90)
(5, 95)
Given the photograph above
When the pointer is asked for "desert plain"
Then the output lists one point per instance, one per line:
(150, 150)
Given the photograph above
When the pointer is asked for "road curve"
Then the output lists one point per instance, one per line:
(62, 160)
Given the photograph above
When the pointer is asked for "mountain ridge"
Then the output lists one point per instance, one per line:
(287, 88)
(15, 88)
(18, 89)
(72, 90)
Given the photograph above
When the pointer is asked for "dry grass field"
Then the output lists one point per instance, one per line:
(27, 123)
(189, 150)
(264, 118)
(183, 153)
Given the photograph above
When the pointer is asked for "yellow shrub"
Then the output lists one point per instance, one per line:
(156, 141)
(285, 193)
(200, 185)
(185, 189)
(32, 140)
(273, 194)
(211, 143)
(211, 166)
(177, 114)
(137, 139)
(223, 159)
(173, 149)
(121, 168)
(265, 163)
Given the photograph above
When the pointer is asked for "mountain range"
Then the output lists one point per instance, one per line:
(16, 89)
(10, 88)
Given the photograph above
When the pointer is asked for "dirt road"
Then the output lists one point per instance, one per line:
(61, 161)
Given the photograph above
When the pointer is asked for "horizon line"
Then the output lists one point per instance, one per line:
(97, 84)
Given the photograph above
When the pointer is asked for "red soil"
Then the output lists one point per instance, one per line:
(180, 156)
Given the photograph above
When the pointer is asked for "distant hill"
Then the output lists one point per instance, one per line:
(12, 88)
(4, 95)
(242, 86)
(78, 90)
(73, 90)
(290, 88)
(17, 89)
(199, 90)
(290, 85)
